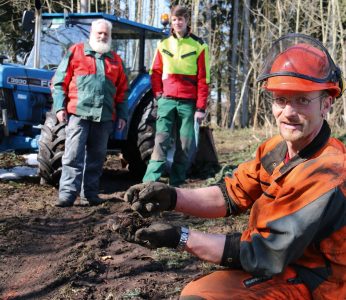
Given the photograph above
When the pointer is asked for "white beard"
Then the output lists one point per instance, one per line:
(100, 46)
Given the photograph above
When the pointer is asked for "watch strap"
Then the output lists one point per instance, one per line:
(184, 236)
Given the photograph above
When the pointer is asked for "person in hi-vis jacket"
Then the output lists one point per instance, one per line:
(180, 75)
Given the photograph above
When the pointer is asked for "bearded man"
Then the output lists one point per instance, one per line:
(89, 93)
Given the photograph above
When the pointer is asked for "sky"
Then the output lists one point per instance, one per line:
(161, 7)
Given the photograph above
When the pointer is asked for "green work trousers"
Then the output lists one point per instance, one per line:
(172, 114)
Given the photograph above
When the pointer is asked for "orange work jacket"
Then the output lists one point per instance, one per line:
(298, 213)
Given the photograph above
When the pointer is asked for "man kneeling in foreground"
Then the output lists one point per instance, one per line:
(294, 245)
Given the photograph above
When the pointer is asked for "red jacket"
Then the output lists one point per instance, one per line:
(180, 69)
(90, 85)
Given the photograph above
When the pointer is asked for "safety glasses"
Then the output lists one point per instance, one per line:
(300, 102)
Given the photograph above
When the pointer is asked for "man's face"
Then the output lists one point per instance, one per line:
(179, 25)
(100, 40)
(299, 115)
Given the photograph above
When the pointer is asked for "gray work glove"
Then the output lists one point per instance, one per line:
(151, 197)
(159, 235)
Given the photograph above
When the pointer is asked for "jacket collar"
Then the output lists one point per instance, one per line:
(275, 157)
(187, 34)
(89, 51)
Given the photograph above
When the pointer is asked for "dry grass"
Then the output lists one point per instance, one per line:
(234, 147)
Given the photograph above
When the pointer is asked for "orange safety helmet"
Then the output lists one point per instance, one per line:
(298, 62)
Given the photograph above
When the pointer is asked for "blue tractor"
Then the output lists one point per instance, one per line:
(26, 122)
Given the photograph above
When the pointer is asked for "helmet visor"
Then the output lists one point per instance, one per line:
(298, 55)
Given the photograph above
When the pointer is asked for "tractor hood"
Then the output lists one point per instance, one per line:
(20, 78)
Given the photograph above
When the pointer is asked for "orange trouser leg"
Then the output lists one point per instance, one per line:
(229, 284)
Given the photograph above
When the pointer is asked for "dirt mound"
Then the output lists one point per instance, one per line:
(88, 252)
(82, 252)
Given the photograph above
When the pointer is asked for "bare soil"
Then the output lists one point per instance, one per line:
(88, 252)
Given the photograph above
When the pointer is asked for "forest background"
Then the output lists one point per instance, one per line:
(238, 32)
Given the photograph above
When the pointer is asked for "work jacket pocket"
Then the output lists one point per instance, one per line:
(164, 51)
(188, 62)
(112, 69)
(83, 66)
(189, 54)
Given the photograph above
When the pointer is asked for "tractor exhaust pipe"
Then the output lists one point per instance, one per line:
(37, 38)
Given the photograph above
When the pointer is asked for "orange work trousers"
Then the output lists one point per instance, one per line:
(239, 285)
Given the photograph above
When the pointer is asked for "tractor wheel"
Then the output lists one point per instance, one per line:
(51, 149)
(141, 137)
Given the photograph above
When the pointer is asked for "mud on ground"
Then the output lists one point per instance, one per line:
(88, 252)
(84, 252)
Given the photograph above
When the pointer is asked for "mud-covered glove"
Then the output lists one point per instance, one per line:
(151, 197)
(159, 235)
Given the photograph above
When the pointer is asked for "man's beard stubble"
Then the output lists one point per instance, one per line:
(100, 46)
(290, 135)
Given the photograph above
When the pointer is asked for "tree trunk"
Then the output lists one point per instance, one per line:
(84, 6)
(194, 17)
(245, 107)
(233, 67)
